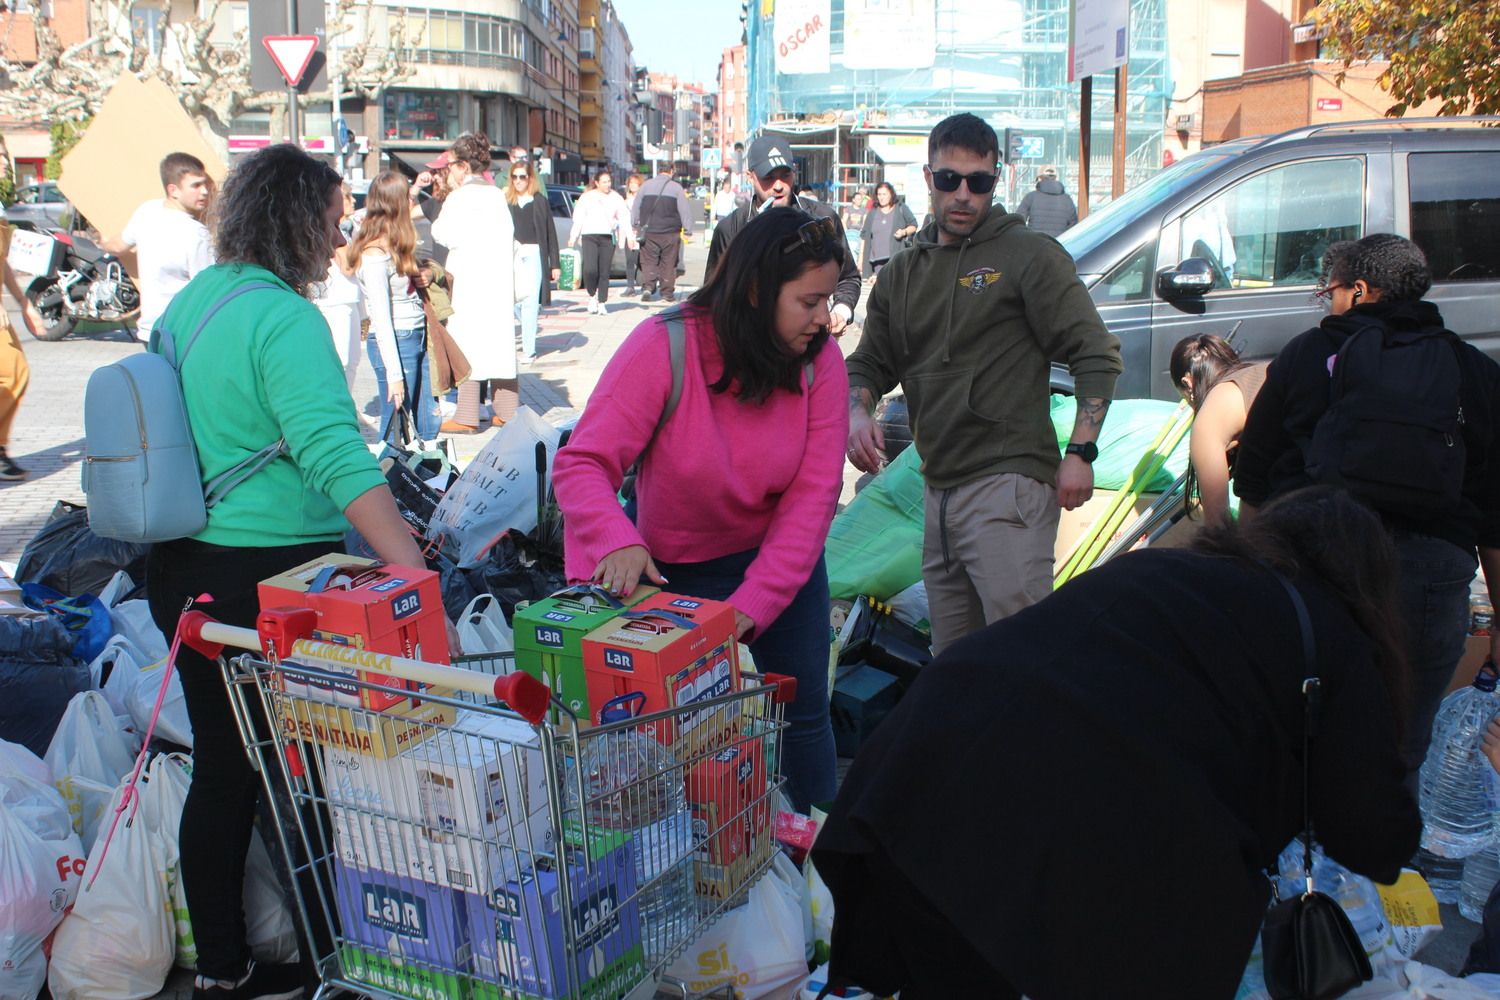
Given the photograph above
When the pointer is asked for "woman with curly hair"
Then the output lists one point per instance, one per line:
(262, 369)
(1376, 284)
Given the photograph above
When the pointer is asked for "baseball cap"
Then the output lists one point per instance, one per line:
(768, 153)
(1049, 171)
(443, 159)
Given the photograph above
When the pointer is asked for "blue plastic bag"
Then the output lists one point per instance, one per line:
(85, 616)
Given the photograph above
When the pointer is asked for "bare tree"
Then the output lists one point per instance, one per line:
(211, 78)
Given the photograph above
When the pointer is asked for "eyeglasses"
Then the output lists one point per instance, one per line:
(1326, 293)
(947, 181)
(815, 236)
(522, 176)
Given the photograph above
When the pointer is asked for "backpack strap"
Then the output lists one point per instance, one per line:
(165, 344)
(677, 352)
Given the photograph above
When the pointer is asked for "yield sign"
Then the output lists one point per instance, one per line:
(291, 54)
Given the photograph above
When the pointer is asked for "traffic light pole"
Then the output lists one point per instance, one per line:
(1085, 143)
(1117, 177)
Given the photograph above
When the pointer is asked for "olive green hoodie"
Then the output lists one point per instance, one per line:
(969, 331)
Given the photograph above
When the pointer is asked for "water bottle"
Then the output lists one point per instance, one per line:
(634, 784)
(1443, 875)
(1457, 781)
(1481, 872)
(1355, 894)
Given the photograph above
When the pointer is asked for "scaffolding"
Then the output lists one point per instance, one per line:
(1004, 60)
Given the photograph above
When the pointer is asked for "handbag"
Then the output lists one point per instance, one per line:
(1309, 948)
(449, 366)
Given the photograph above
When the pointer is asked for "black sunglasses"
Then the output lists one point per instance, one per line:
(949, 180)
(814, 235)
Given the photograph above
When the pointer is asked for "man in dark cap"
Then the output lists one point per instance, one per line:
(773, 176)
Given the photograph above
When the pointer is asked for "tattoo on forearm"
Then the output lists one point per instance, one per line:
(861, 398)
(1091, 411)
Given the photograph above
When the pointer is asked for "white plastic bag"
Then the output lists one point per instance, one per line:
(114, 670)
(270, 930)
(911, 606)
(757, 947)
(88, 756)
(132, 686)
(40, 862)
(118, 942)
(132, 619)
(17, 760)
(482, 627)
(498, 489)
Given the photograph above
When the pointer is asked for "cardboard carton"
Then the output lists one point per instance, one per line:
(408, 920)
(379, 734)
(549, 640)
(727, 792)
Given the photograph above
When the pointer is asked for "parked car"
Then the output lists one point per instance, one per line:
(1236, 233)
(42, 205)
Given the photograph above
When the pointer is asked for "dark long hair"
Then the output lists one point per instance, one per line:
(271, 213)
(1322, 534)
(1209, 359)
(740, 297)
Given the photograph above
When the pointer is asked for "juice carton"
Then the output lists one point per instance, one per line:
(549, 636)
(404, 723)
(675, 651)
(517, 931)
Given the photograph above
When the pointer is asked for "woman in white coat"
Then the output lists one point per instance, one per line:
(475, 225)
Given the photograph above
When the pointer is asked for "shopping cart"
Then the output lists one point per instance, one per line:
(451, 844)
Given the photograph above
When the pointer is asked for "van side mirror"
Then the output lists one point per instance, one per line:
(1192, 278)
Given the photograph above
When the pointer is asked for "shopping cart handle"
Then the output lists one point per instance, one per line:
(190, 628)
(786, 688)
(527, 696)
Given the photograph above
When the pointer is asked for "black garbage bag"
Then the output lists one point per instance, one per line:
(68, 557)
(518, 569)
(895, 424)
(38, 677)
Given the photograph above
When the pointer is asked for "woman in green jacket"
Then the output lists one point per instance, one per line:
(263, 369)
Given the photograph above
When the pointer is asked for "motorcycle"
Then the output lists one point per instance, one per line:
(84, 282)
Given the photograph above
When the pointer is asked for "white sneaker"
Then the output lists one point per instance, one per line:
(593, 307)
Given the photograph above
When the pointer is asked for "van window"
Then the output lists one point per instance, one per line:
(1131, 280)
(1455, 213)
(1272, 229)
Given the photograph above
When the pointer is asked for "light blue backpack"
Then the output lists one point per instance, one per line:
(140, 466)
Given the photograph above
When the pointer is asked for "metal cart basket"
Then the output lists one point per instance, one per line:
(447, 842)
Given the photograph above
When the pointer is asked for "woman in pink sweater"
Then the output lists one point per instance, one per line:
(738, 488)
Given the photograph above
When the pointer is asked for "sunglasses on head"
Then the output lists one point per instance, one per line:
(815, 235)
(947, 181)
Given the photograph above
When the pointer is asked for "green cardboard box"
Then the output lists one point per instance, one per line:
(382, 973)
(549, 639)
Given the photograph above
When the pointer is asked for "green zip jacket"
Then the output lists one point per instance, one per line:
(265, 368)
(969, 330)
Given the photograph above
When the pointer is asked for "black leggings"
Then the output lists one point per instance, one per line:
(598, 255)
(220, 808)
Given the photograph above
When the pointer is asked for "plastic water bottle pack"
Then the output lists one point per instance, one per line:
(1481, 872)
(1457, 782)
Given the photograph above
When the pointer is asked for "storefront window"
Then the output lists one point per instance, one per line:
(413, 114)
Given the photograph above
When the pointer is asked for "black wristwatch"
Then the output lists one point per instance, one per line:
(1088, 451)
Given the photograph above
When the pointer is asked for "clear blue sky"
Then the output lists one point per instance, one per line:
(669, 36)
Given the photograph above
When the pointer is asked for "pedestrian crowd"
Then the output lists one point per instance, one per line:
(1059, 742)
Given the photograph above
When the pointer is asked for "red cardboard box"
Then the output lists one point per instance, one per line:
(675, 650)
(366, 605)
(727, 793)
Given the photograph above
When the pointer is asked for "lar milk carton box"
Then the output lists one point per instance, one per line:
(549, 639)
(675, 650)
(401, 918)
(517, 932)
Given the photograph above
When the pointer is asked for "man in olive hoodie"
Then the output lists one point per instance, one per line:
(968, 324)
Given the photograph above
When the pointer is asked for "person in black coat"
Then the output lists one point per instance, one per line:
(1378, 282)
(1078, 801)
(1048, 209)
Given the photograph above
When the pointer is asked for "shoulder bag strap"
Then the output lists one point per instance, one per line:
(1312, 690)
(677, 351)
(167, 344)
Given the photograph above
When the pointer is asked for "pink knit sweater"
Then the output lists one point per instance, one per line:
(723, 476)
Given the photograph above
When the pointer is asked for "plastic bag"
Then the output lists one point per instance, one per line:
(516, 570)
(1412, 912)
(85, 616)
(18, 761)
(498, 489)
(911, 606)
(66, 556)
(1127, 435)
(88, 756)
(131, 616)
(131, 684)
(875, 544)
(270, 930)
(483, 628)
(757, 947)
(118, 942)
(34, 695)
(40, 863)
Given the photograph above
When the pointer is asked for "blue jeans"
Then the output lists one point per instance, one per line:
(411, 346)
(796, 644)
(1432, 591)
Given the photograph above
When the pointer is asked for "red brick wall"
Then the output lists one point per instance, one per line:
(70, 20)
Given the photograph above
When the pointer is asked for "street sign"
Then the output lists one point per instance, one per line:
(1033, 147)
(269, 17)
(291, 53)
(712, 159)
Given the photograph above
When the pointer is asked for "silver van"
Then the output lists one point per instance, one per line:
(1237, 232)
